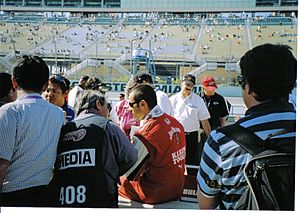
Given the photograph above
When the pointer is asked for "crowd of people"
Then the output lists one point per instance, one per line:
(59, 146)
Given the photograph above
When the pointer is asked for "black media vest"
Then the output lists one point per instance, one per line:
(79, 178)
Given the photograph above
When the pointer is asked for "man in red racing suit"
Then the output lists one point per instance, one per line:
(162, 175)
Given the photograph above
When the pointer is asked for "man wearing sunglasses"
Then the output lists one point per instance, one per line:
(190, 110)
(57, 93)
(162, 175)
(268, 75)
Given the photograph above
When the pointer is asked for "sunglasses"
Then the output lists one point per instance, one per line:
(133, 103)
(242, 80)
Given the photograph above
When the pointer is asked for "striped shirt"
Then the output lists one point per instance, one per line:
(223, 160)
(29, 133)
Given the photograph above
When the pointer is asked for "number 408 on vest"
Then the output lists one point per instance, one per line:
(70, 194)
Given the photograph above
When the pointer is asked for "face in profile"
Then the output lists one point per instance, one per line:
(135, 108)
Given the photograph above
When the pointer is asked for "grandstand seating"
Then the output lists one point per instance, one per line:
(172, 39)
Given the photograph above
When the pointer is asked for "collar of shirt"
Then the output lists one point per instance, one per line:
(187, 97)
(269, 107)
(154, 113)
(30, 96)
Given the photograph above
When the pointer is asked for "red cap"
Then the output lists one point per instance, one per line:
(209, 83)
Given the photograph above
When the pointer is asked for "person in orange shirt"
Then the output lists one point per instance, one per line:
(162, 176)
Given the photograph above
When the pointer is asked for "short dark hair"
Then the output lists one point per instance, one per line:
(31, 73)
(141, 77)
(145, 92)
(63, 82)
(5, 84)
(270, 70)
(84, 77)
(88, 99)
(93, 83)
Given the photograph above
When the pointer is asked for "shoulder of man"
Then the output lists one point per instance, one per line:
(92, 119)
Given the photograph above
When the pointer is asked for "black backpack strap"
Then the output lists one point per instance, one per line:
(244, 137)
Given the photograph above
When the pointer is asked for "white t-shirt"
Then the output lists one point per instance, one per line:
(73, 94)
(163, 102)
(189, 111)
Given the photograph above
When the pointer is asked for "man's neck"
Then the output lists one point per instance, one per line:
(185, 94)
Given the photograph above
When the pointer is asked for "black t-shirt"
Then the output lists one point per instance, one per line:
(217, 108)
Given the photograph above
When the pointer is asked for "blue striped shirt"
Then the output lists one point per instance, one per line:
(29, 133)
(223, 160)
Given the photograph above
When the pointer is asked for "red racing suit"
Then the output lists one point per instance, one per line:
(162, 178)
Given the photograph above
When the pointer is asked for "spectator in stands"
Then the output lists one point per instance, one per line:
(162, 98)
(7, 92)
(57, 93)
(110, 155)
(220, 179)
(76, 91)
(190, 109)
(161, 177)
(29, 133)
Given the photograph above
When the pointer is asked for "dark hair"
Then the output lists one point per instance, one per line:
(31, 73)
(93, 83)
(88, 100)
(270, 70)
(63, 82)
(5, 84)
(85, 77)
(145, 92)
(141, 77)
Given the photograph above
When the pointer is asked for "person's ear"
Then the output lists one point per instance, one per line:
(66, 93)
(248, 89)
(14, 83)
(98, 105)
(143, 104)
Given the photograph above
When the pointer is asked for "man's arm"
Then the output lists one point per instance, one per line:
(3, 171)
(205, 202)
(206, 127)
(222, 121)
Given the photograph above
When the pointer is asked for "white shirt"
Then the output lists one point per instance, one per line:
(189, 111)
(163, 102)
(73, 94)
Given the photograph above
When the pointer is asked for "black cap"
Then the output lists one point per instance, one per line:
(140, 77)
(189, 78)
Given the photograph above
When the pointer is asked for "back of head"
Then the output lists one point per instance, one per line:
(5, 84)
(93, 83)
(270, 70)
(141, 77)
(87, 100)
(145, 92)
(31, 73)
(82, 81)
